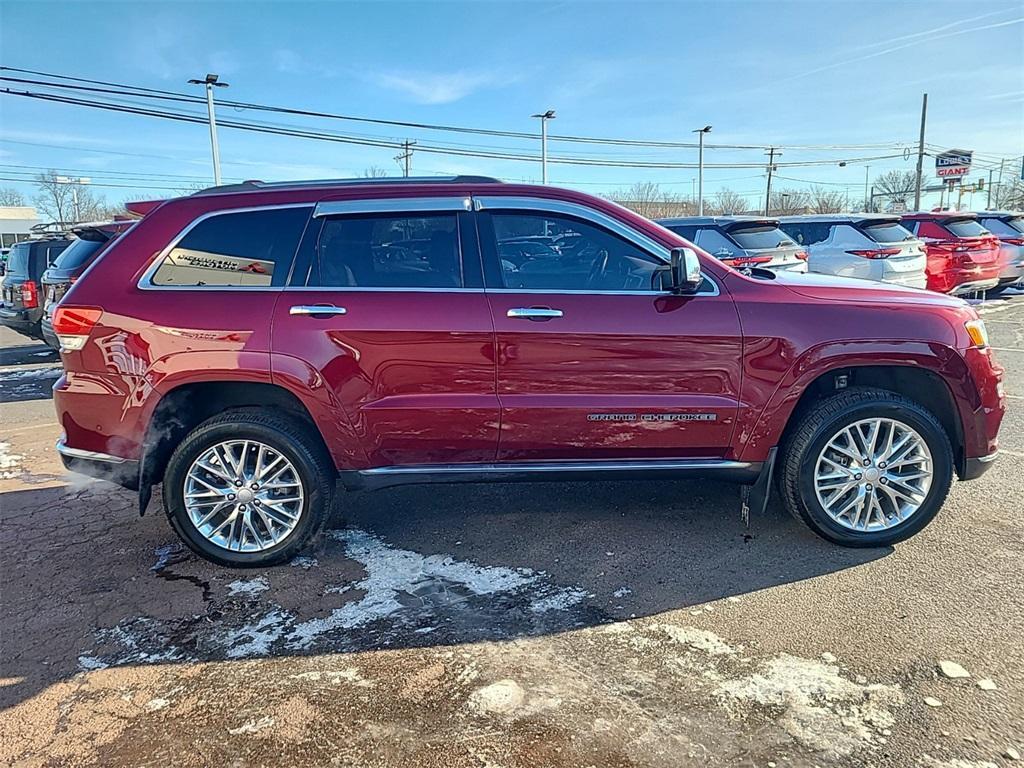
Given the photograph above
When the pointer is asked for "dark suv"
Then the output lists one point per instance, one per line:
(21, 302)
(249, 346)
(70, 264)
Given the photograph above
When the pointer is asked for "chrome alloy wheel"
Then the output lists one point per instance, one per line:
(243, 495)
(873, 474)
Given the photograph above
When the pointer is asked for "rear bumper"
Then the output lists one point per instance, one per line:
(48, 335)
(975, 468)
(24, 321)
(103, 466)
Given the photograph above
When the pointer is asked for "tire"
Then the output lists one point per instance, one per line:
(310, 481)
(825, 421)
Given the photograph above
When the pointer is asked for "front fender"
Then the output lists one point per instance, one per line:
(760, 429)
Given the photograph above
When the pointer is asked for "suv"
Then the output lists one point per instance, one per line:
(21, 305)
(249, 345)
(741, 241)
(868, 246)
(963, 256)
(69, 266)
(1009, 228)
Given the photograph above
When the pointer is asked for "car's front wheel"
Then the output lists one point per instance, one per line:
(248, 489)
(866, 468)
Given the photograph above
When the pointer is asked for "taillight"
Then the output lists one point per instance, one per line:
(29, 294)
(747, 261)
(802, 255)
(877, 253)
(73, 325)
(1014, 240)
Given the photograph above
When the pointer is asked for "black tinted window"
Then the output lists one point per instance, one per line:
(590, 259)
(965, 228)
(807, 233)
(17, 260)
(683, 231)
(759, 236)
(76, 254)
(249, 248)
(389, 251)
(889, 232)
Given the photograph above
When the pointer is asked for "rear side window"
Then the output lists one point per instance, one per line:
(244, 249)
(17, 260)
(758, 237)
(1008, 228)
(683, 231)
(965, 228)
(389, 251)
(888, 232)
(76, 254)
(714, 242)
(808, 233)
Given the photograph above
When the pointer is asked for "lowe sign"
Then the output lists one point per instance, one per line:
(952, 164)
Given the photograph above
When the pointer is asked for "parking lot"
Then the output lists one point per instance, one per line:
(554, 624)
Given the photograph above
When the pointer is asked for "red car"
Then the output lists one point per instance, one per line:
(250, 345)
(963, 256)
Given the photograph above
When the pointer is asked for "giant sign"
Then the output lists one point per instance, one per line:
(952, 164)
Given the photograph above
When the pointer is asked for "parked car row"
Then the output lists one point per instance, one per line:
(40, 271)
(950, 252)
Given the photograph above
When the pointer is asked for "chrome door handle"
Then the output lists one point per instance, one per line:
(317, 309)
(533, 313)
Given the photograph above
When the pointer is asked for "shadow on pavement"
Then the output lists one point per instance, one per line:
(87, 584)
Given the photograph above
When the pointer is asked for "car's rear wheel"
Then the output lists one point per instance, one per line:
(248, 489)
(866, 468)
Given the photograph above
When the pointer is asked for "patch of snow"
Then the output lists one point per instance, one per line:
(348, 675)
(820, 708)
(155, 705)
(252, 726)
(89, 663)
(248, 587)
(305, 562)
(500, 698)
(561, 600)
(622, 592)
(701, 639)
(256, 638)
(15, 374)
(10, 463)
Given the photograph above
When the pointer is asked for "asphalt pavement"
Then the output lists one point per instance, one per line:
(554, 624)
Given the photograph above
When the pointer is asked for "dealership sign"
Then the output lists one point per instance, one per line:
(956, 162)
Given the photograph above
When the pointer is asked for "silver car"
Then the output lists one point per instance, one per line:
(741, 241)
(865, 245)
(1008, 226)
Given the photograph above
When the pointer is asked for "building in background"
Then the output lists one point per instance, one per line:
(16, 224)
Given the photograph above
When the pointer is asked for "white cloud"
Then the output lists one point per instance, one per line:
(436, 88)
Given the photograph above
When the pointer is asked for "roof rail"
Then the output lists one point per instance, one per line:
(254, 184)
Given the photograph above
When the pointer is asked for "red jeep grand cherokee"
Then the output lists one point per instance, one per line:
(247, 346)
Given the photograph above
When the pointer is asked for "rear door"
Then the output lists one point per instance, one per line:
(388, 316)
(595, 359)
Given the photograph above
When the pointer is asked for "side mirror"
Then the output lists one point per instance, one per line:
(686, 277)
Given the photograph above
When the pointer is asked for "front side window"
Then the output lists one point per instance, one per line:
(580, 257)
(244, 249)
(389, 251)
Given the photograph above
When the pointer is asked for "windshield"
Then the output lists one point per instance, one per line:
(759, 236)
(886, 232)
(76, 254)
(1005, 228)
(965, 227)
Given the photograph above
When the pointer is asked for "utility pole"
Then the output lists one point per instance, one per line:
(988, 200)
(771, 167)
(700, 168)
(544, 117)
(867, 205)
(76, 212)
(920, 155)
(406, 157)
(212, 81)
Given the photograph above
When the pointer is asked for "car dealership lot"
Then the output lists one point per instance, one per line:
(513, 625)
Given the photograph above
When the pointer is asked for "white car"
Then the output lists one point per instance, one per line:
(865, 245)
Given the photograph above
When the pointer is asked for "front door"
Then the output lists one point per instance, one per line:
(390, 316)
(595, 359)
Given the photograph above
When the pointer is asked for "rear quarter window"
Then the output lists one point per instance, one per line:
(888, 232)
(242, 249)
(965, 228)
(759, 237)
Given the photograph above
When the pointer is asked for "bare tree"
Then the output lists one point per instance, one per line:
(67, 203)
(896, 186)
(827, 200)
(11, 197)
(1008, 196)
(374, 172)
(729, 202)
(648, 199)
(788, 201)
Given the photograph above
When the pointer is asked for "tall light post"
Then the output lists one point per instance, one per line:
(544, 117)
(700, 167)
(211, 82)
(75, 183)
(868, 203)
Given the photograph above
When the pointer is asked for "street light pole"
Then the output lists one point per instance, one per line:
(920, 156)
(211, 82)
(700, 167)
(544, 117)
(867, 206)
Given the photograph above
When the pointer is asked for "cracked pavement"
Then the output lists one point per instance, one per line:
(555, 624)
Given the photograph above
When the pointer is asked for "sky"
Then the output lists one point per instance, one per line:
(790, 74)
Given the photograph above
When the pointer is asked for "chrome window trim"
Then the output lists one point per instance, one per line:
(146, 281)
(543, 204)
(392, 205)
